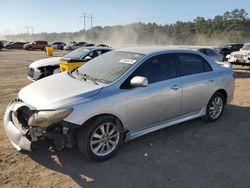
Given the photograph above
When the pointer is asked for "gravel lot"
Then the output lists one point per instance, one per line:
(192, 154)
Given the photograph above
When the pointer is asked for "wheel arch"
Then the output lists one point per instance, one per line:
(117, 119)
(223, 92)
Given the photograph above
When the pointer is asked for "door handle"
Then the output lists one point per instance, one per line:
(175, 87)
(211, 79)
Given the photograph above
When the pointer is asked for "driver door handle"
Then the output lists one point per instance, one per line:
(175, 87)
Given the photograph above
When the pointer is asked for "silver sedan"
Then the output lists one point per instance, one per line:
(117, 97)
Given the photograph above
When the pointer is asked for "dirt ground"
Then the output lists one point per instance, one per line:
(192, 154)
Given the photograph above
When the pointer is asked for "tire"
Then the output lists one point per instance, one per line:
(215, 107)
(100, 138)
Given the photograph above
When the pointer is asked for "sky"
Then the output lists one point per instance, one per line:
(65, 15)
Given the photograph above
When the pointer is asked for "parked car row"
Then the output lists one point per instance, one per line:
(116, 97)
(74, 45)
(228, 49)
(41, 44)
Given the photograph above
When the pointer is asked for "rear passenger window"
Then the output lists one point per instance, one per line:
(192, 64)
(158, 68)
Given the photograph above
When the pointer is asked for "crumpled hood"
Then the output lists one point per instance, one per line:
(57, 90)
(45, 62)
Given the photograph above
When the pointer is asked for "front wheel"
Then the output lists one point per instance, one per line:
(215, 107)
(99, 139)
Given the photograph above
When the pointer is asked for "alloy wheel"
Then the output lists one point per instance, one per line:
(104, 139)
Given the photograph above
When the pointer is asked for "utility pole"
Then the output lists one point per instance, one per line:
(91, 20)
(84, 22)
(31, 27)
(6, 33)
(27, 29)
(85, 17)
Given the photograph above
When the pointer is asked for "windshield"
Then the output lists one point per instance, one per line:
(110, 66)
(77, 54)
(246, 47)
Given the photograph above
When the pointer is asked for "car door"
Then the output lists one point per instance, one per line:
(197, 78)
(160, 100)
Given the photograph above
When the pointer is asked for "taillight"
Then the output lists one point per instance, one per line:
(234, 76)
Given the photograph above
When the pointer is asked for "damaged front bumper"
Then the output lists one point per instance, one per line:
(15, 133)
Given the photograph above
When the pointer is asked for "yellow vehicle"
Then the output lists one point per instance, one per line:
(79, 57)
(70, 64)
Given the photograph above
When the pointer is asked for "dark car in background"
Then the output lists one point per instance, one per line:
(1, 45)
(103, 46)
(15, 45)
(211, 53)
(36, 45)
(58, 45)
(228, 49)
(89, 45)
(74, 45)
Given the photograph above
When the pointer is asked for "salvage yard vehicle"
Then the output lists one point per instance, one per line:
(49, 66)
(58, 45)
(119, 96)
(228, 49)
(36, 45)
(211, 53)
(15, 45)
(241, 57)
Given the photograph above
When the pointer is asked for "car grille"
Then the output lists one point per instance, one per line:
(30, 72)
(239, 56)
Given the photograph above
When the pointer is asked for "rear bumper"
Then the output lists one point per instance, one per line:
(15, 133)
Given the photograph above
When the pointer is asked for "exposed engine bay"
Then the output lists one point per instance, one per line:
(36, 128)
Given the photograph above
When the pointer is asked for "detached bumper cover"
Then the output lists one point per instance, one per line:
(15, 133)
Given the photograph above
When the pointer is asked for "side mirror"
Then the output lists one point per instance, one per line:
(139, 81)
(87, 58)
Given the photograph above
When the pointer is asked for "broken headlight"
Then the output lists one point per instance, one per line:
(45, 118)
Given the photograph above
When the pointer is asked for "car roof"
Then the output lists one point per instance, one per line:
(151, 50)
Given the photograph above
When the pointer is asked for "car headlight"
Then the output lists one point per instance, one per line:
(45, 118)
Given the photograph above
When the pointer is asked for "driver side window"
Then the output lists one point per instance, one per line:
(156, 69)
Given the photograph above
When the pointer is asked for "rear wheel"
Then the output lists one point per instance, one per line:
(215, 107)
(99, 139)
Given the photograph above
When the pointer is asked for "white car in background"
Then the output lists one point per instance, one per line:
(49, 66)
(241, 57)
